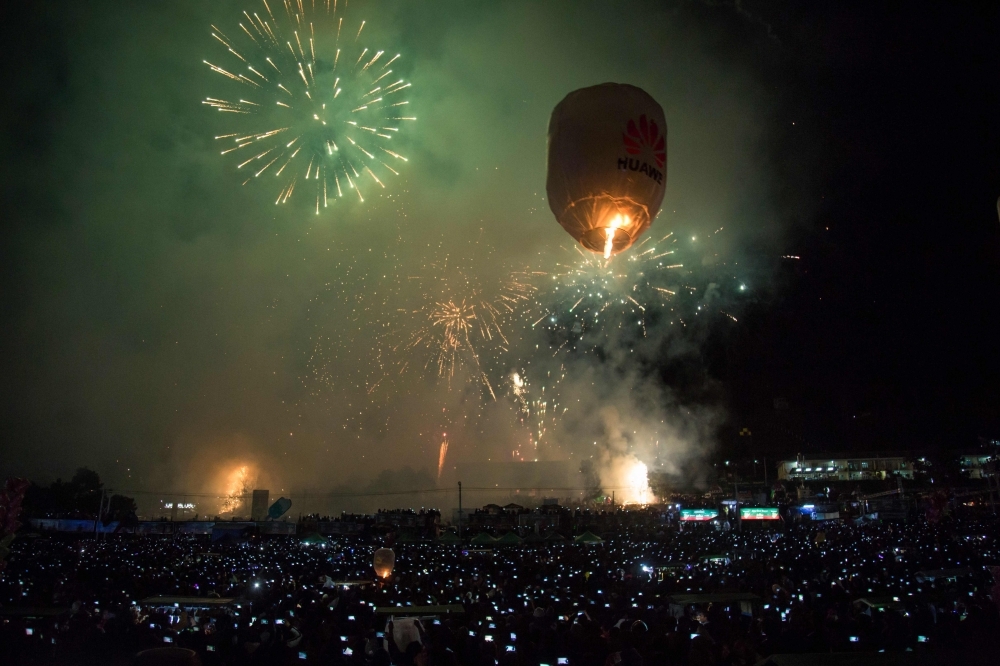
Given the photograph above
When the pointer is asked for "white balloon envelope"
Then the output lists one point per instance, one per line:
(607, 165)
(383, 562)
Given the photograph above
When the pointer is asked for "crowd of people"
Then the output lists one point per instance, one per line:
(698, 596)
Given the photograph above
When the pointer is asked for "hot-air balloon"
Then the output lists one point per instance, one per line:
(383, 561)
(607, 165)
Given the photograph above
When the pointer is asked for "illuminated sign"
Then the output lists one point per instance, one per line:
(759, 513)
(170, 505)
(698, 514)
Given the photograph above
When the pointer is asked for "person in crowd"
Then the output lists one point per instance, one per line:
(629, 600)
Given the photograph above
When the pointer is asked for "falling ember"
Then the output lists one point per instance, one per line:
(302, 109)
(519, 389)
(538, 406)
(441, 456)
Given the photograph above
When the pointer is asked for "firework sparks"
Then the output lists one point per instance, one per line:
(588, 301)
(460, 318)
(537, 408)
(312, 109)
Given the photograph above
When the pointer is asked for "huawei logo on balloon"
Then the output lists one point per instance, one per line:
(640, 138)
(646, 133)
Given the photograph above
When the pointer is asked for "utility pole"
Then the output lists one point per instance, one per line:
(459, 510)
(100, 510)
(736, 506)
(996, 480)
(990, 469)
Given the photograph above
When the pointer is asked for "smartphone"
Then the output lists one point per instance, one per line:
(168, 639)
(694, 636)
(563, 661)
(853, 639)
(488, 639)
(302, 655)
(348, 652)
(513, 636)
(379, 634)
(510, 648)
(29, 631)
(436, 621)
(922, 639)
(279, 621)
(210, 648)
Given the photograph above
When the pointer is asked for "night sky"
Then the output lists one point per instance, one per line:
(163, 323)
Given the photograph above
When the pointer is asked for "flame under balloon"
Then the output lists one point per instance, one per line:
(383, 562)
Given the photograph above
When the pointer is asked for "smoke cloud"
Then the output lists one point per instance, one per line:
(166, 324)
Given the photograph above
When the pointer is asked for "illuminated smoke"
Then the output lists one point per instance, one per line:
(239, 488)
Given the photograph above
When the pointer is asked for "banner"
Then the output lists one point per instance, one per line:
(759, 513)
(698, 514)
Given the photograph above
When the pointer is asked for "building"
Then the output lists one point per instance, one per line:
(258, 506)
(977, 465)
(846, 468)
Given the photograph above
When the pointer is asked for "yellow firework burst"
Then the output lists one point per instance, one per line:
(461, 318)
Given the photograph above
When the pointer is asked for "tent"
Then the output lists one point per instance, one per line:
(448, 537)
(554, 536)
(510, 538)
(313, 539)
(534, 538)
(483, 539)
(588, 537)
